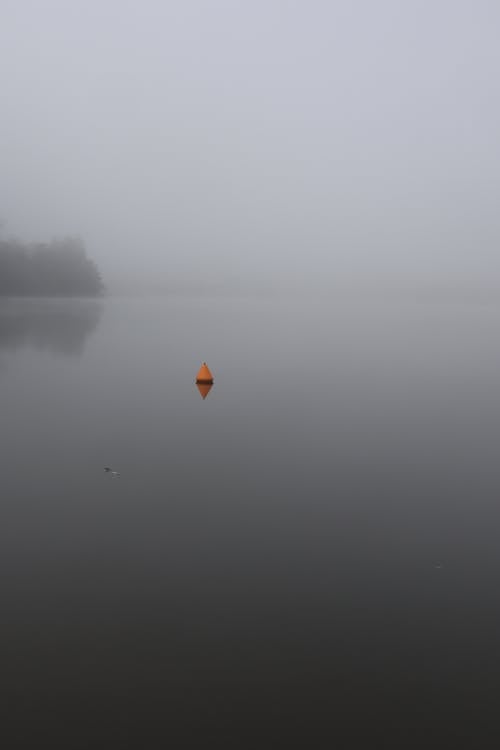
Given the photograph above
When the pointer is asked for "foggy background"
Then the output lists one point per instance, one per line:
(309, 556)
(229, 143)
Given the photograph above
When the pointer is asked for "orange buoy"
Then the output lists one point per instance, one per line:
(204, 375)
(204, 389)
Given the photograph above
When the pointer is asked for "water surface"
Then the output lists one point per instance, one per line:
(307, 558)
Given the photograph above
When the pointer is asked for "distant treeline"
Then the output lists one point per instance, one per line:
(58, 268)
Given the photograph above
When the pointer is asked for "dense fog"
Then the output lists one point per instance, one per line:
(228, 144)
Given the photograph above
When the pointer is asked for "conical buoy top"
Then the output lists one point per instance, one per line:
(204, 375)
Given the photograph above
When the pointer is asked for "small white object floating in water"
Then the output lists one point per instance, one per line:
(114, 474)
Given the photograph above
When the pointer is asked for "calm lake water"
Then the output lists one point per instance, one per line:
(309, 557)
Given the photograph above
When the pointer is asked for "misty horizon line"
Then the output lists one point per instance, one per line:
(368, 286)
(441, 284)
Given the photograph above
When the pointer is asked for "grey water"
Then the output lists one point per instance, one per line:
(308, 557)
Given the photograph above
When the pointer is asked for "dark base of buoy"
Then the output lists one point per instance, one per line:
(204, 382)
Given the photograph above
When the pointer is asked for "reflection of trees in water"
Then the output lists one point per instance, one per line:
(59, 326)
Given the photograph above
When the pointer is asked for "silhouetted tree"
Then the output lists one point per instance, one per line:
(59, 268)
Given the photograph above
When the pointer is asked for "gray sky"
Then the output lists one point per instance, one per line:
(226, 139)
